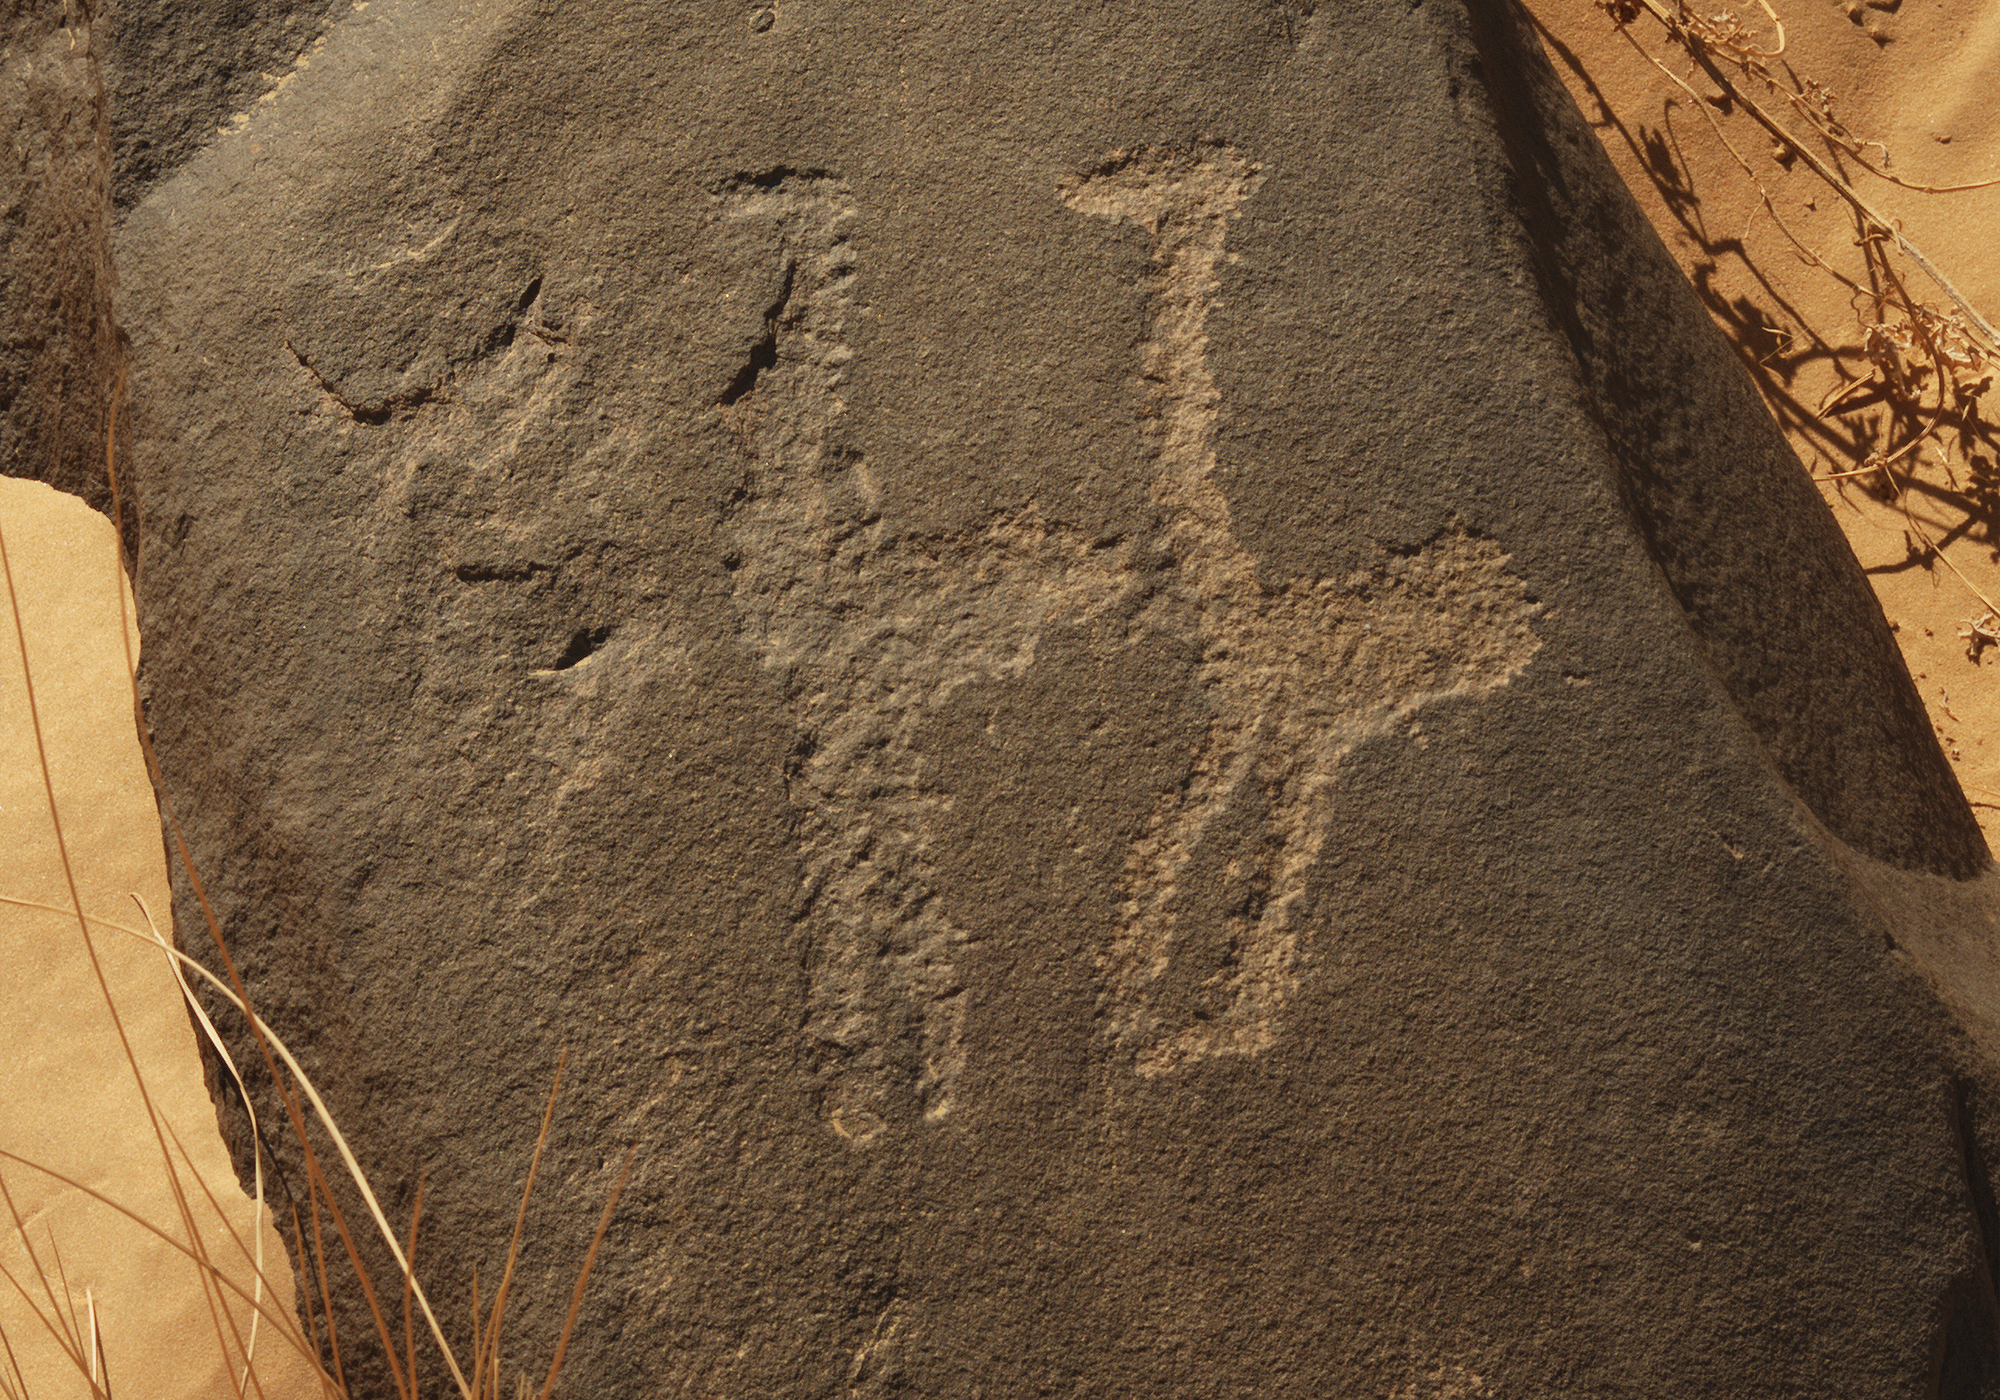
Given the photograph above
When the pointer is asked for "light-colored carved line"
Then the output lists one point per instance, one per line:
(1271, 659)
(874, 637)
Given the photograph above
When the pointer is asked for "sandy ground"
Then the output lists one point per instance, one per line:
(69, 1101)
(1918, 81)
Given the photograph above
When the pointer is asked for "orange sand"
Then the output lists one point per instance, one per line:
(1922, 77)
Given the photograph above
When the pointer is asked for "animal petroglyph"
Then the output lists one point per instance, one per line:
(874, 631)
(1295, 676)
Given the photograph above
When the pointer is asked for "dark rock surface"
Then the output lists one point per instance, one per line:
(59, 350)
(1146, 699)
(179, 75)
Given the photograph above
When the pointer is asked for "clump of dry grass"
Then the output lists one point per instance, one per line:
(259, 1342)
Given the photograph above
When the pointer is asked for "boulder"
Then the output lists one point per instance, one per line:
(1147, 703)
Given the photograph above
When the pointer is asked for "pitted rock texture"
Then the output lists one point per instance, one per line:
(59, 353)
(1102, 667)
(180, 75)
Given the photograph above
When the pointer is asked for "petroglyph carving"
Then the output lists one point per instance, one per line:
(873, 631)
(1296, 676)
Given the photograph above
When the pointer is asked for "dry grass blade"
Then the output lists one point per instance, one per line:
(243, 1091)
(240, 1304)
(322, 1188)
(409, 1282)
(487, 1327)
(75, 910)
(487, 1362)
(583, 1277)
(67, 1328)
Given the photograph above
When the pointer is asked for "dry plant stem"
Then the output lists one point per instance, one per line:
(63, 1337)
(486, 1344)
(76, 1351)
(1776, 23)
(1917, 322)
(243, 1090)
(1901, 489)
(218, 1304)
(17, 1389)
(1931, 545)
(97, 1362)
(70, 1322)
(1708, 115)
(1690, 36)
(409, 1279)
(1876, 226)
(69, 1299)
(1693, 46)
(70, 1336)
(322, 1114)
(325, 1118)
